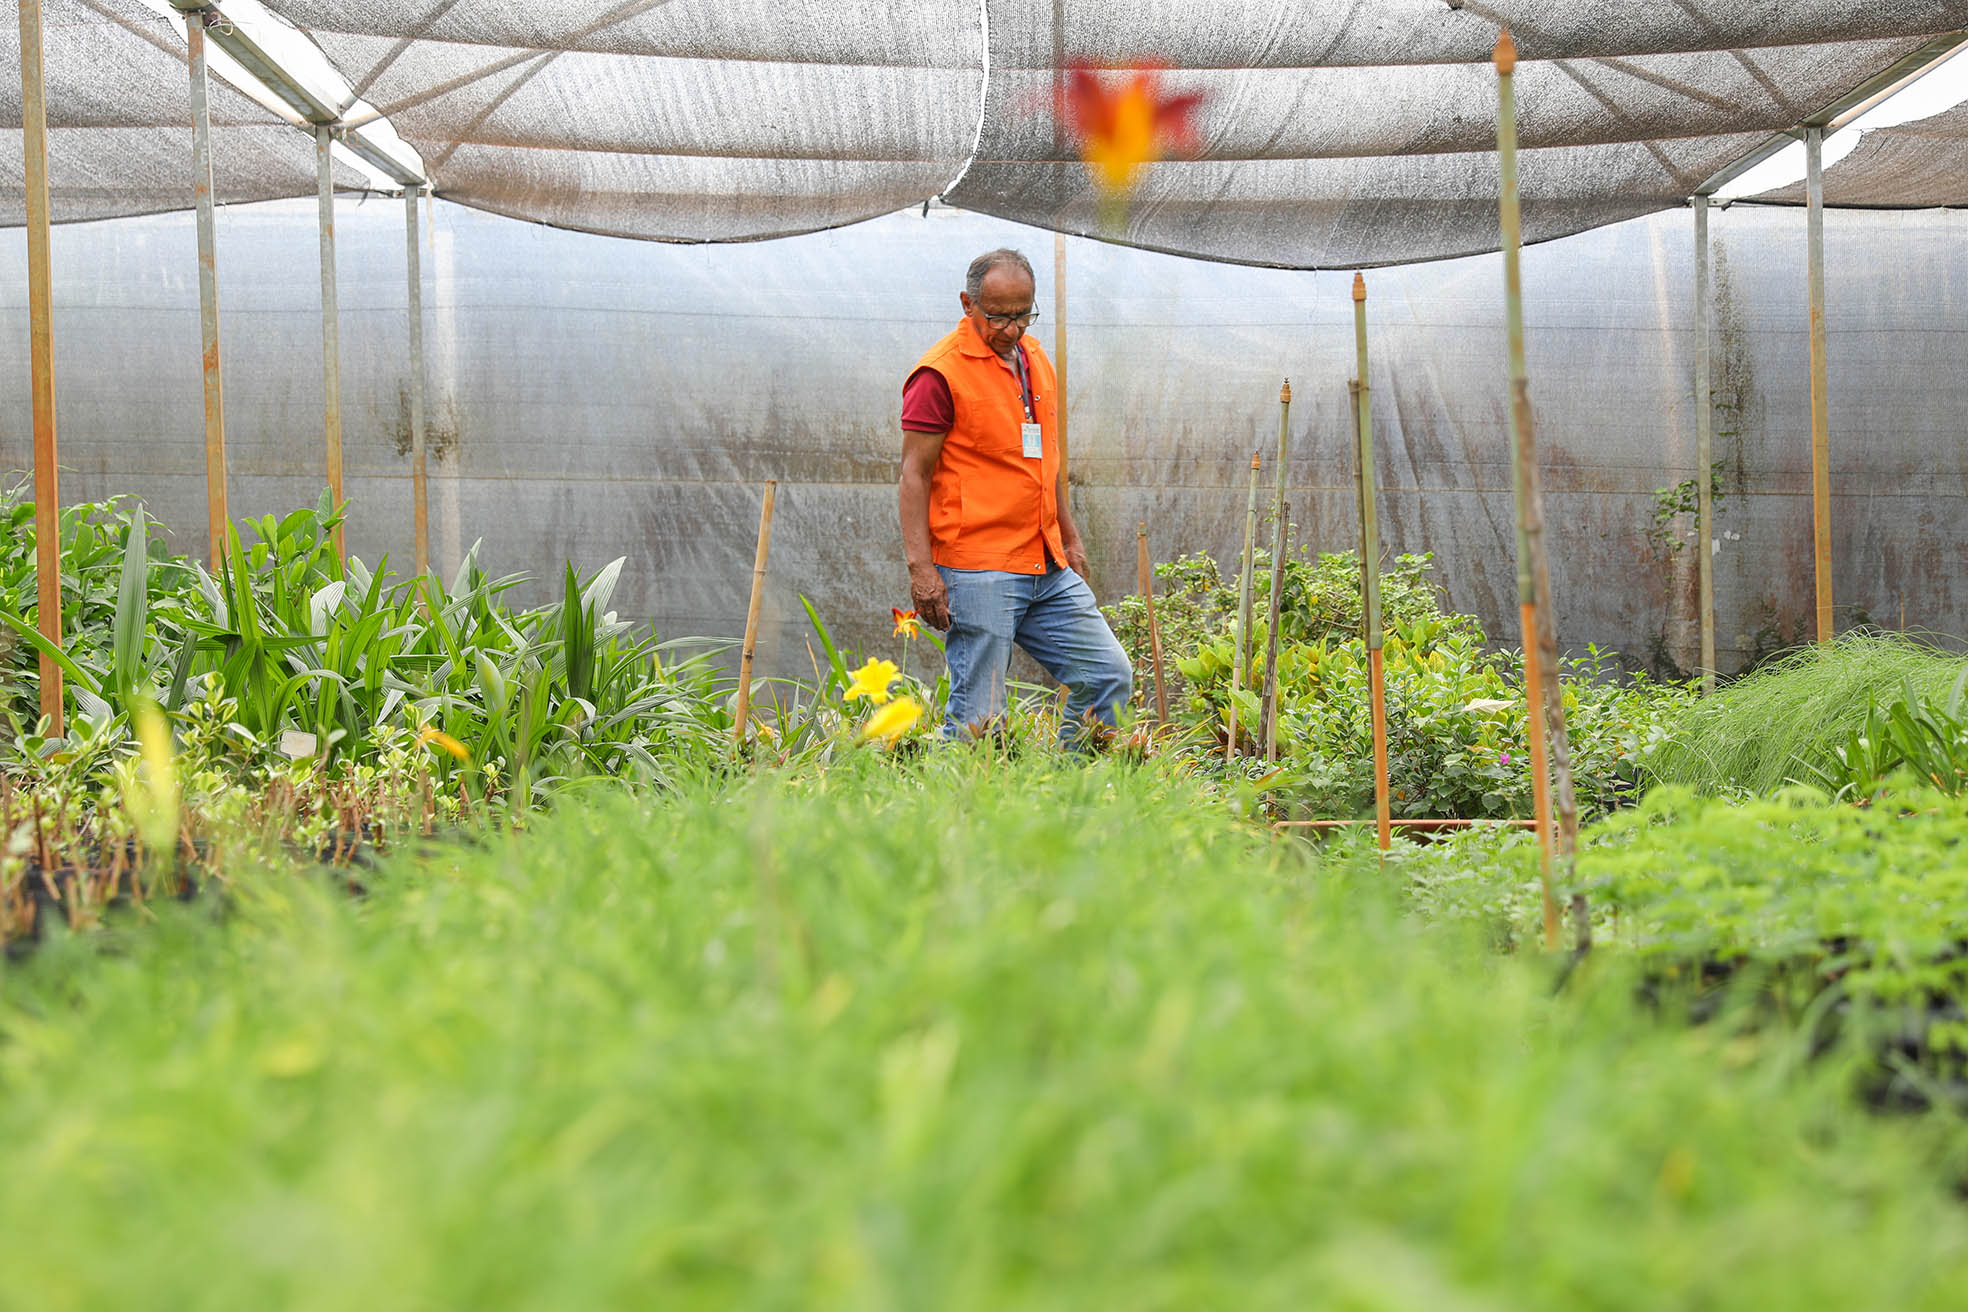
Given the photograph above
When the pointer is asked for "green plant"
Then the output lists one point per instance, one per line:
(1791, 719)
(1320, 601)
(1684, 498)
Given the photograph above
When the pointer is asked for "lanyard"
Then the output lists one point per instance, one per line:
(1024, 387)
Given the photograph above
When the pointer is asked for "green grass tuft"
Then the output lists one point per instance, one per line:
(1788, 719)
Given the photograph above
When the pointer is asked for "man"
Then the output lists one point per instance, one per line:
(994, 555)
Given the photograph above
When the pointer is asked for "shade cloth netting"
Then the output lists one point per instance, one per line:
(1333, 135)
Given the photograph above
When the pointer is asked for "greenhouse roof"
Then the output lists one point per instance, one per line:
(1330, 135)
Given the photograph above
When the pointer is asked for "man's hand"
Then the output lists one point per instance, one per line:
(1076, 560)
(931, 597)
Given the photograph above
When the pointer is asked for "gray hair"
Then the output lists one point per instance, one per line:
(989, 260)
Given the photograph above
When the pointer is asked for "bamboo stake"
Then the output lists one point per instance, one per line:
(41, 349)
(752, 614)
(217, 511)
(1237, 666)
(1704, 451)
(1370, 620)
(1544, 698)
(1147, 577)
(1820, 398)
(1270, 703)
(1269, 707)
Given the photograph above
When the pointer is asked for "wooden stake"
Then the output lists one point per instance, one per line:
(1147, 580)
(1820, 398)
(1238, 667)
(1544, 695)
(41, 349)
(1270, 703)
(1370, 618)
(752, 614)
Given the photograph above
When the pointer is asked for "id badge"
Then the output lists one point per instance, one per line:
(1030, 437)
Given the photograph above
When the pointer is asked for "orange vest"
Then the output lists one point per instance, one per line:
(990, 507)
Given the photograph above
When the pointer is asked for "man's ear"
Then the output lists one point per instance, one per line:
(963, 299)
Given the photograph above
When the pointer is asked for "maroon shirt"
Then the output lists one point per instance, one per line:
(926, 403)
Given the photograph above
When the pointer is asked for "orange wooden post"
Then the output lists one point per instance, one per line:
(217, 514)
(41, 347)
(1370, 620)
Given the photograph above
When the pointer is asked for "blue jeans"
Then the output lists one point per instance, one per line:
(1054, 618)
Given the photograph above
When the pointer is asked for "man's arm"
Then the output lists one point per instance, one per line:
(920, 452)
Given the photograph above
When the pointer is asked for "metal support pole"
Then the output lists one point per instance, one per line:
(331, 333)
(1544, 698)
(217, 515)
(1370, 563)
(1269, 714)
(1704, 451)
(1820, 399)
(41, 350)
(420, 502)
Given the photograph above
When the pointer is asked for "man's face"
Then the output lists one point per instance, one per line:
(1006, 291)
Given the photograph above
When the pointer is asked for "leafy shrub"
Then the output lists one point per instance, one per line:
(1799, 892)
(1455, 706)
(1320, 602)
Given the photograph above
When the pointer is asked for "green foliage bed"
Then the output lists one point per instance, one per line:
(952, 1034)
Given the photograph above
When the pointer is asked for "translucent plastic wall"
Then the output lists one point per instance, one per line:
(593, 398)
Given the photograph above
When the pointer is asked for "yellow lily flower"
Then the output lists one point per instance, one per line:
(432, 736)
(872, 680)
(893, 720)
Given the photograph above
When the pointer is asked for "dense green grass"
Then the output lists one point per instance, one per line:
(940, 1035)
(1788, 719)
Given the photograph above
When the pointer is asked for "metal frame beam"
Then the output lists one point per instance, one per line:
(1847, 107)
(252, 57)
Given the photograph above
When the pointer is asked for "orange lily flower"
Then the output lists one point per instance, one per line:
(1119, 132)
(907, 625)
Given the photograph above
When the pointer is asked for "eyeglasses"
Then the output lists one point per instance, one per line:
(1006, 320)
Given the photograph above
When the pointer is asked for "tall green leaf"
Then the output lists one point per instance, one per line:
(132, 611)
